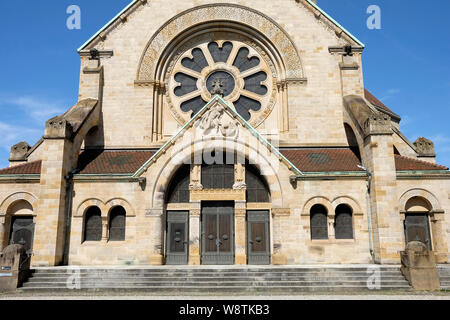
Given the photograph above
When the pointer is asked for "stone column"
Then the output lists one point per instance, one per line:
(105, 230)
(438, 226)
(194, 233)
(240, 232)
(3, 232)
(157, 223)
(331, 231)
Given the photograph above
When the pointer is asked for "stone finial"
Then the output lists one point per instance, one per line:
(58, 128)
(378, 124)
(19, 151)
(424, 147)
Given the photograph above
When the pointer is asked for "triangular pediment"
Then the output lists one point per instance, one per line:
(218, 121)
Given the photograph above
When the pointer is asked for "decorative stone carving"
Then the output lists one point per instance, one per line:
(213, 123)
(19, 151)
(240, 185)
(378, 124)
(195, 186)
(424, 147)
(58, 128)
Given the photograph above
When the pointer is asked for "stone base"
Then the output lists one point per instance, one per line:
(241, 259)
(157, 260)
(194, 260)
(279, 259)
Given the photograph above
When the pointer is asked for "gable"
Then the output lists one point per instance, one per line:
(216, 121)
(134, 4)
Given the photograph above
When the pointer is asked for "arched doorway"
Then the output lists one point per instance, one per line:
(21, 224)
(417, 224)
(227, 194)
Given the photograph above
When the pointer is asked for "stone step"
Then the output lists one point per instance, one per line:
(206, 279)
(210, 274)
(219, 290)
(216, 271)
(140, 282)
(186, 279)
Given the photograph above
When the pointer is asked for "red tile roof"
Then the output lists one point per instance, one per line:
(305, 159)
(323, 159)
(374, 100)
(104, 161)
(26, 168)
(411, 164)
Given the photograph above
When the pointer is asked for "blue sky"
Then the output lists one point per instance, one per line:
(406, 63)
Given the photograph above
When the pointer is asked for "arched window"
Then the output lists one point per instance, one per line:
(117, 222)
(319, 222)
(343, 223)
(93, 224)
(178, 191)
(220, 174)
(257, 189)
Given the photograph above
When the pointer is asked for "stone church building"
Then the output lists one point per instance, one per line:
(210, 133)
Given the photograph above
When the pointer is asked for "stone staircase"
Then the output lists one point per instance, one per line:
(203, 280)
(444, 275)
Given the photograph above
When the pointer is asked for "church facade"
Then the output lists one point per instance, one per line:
(226, 133)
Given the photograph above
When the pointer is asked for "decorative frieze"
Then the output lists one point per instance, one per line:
(217, 195)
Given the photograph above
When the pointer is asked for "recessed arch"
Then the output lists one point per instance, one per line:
(18, 196)
(324, 201)
(349, 201)
(120, 202)
(418, 204)
(242, 18)
(92, 202)
(418, 192)
(170, 162)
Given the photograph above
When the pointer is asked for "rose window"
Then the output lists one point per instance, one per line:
(231, 69)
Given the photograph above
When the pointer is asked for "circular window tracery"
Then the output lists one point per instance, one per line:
(230, 67)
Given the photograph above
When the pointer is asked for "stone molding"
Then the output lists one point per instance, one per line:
(215, 12)
(277, 212)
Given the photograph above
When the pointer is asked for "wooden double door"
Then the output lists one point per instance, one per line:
(218, 233)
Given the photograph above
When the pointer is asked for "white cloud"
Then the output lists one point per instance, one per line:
(11, 134)
(390, 93)
(38, 109)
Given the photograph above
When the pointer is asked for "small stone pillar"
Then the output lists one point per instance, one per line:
(194, 233)
(419, 267)
(157, 223)
(14, 267)
(240, 226)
